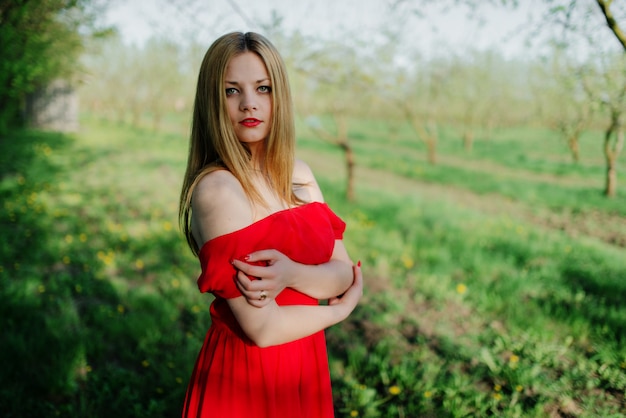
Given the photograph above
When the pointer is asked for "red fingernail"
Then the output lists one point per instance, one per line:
(246, 258)
(358, 264)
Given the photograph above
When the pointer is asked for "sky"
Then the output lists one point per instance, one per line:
(437, 29)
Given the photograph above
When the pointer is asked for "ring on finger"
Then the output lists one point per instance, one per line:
(263, 295)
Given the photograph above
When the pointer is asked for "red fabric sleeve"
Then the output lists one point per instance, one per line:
(338, 225)
(306, 234)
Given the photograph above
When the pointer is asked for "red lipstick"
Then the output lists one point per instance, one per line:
(250, 122)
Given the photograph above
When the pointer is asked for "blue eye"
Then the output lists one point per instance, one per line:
(265, 89)
(230, 91)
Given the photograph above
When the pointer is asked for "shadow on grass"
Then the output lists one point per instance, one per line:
(40, 341)
(73, 343)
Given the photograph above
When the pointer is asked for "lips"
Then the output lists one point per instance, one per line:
(250, 122)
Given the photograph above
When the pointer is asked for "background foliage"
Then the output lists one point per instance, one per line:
(40, 41)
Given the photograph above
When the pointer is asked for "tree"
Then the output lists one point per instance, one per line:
(482, 88)
(341, 86)
(566, 105)
(424, 102)
(606, 84)
(40, 41)
(577, 24)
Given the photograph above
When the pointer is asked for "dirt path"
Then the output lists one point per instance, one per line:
(605, 227)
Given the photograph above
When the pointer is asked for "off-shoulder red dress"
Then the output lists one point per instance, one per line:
(235, 378)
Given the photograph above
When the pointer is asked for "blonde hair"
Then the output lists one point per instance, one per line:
(213, 144)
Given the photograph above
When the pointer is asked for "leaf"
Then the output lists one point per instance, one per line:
(487, 358)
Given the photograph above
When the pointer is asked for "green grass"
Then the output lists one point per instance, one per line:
(465, 313)
(523, 164)
(99, 308)
(510, 319)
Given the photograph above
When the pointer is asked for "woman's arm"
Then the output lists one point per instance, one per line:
(220, 206)
(321, 281)
(274, 324)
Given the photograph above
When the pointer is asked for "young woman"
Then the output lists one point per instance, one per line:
(269, 247)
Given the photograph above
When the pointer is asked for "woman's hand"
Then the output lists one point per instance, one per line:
(274, 274)
(348, 301)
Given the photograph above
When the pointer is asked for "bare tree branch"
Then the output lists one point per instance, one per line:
(605, 6)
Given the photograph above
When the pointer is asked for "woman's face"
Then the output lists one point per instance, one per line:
(248, 97)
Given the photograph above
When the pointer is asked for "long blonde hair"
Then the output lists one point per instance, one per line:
(213, 144)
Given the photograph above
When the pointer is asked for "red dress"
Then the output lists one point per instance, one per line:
(235, 378)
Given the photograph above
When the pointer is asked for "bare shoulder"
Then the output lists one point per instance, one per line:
(219, 206)
(306, 187)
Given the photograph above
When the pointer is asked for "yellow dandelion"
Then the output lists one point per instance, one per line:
(120, 309)
(69, 238)
(395, 390)
(41, 288)
(195, 309)
(513, 360)
(354, 413)
(82, 237)
(175, 283)
(66, 259)
(362, 387)
(497, 388)
(108, 258)
(461, 288)
(428, 394)
(139, 264)
(88, 368)
(497, 396)
(407, 262)
(167, 225)
(519, 388)
(622, 364)
(145, 363)
(31, 199)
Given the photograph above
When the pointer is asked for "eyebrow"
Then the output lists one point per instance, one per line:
(237, 83)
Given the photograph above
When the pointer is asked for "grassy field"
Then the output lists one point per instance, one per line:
(494, 281)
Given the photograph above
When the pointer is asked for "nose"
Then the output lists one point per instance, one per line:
(247, 103)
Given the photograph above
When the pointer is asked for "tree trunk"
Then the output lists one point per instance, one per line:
(349, 158)
(574, 147)
(342, 140)
(428, 138)
(611, 154)
(468, 140)
(431, 145)
(611, 178)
